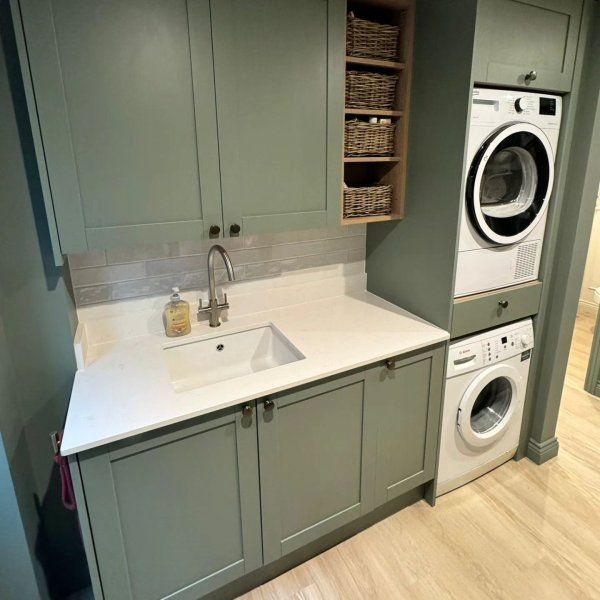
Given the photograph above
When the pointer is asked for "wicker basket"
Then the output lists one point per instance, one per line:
(369, 139)
(371, 40)
(370, 90)
(367, 201)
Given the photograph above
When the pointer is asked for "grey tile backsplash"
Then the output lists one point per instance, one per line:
(118, 274)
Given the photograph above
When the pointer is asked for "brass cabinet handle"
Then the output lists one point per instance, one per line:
(247, 410)
(269, 405)
(390, 363)
(503, 303)
(531, 76)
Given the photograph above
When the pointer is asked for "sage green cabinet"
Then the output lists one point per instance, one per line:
(515, 37)
(125, 99)
(175, 515)
(279, 74)
(140, 146)
(316, 450)
(183, 511)
(405, 399)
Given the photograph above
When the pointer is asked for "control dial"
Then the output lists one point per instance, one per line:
(525, 340)
(520, 105)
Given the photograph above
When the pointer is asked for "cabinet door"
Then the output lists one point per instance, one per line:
(279, 83)
(176, 515)
(316, 454)
(515, 37)
(125, 98)
(406, 400)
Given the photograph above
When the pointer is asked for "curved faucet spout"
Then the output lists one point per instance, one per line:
(214, 308)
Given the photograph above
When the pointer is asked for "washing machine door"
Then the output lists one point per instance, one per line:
(488, 404)
(510, 182)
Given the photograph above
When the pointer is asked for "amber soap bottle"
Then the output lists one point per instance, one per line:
(176, 316)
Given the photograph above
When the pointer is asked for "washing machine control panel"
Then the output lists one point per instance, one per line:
(504, 345)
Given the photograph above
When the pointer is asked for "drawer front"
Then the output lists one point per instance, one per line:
(492, 309)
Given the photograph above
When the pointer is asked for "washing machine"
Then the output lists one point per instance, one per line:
(511, 150)
(486, 381)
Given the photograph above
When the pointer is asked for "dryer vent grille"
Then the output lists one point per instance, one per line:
(526, 255)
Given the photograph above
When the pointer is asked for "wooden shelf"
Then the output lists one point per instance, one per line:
(374, 62)
(374, 219)
(373, 113)
(368, 171)
(370, 159)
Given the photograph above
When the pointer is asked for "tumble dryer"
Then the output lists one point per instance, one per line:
(512, 143)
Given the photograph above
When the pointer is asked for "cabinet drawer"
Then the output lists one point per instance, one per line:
(491, 309)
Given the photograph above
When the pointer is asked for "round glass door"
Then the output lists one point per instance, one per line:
(491, 405)
(488, 404)
(509, 183)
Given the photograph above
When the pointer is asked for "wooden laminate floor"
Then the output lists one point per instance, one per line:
(520, 532)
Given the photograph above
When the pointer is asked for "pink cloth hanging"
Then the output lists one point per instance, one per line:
(67, 493)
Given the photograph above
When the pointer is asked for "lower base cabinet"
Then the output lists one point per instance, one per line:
(180, 513)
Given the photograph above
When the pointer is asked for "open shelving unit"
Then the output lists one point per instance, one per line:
(366, 171)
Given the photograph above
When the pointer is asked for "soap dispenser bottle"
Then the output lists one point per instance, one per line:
(176, 316)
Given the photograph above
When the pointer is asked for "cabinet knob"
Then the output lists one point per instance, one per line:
(235, 229)
(531, 76)
(269, 405)
(503, 303)
(214, 230)
(247, 410)
(390, 363)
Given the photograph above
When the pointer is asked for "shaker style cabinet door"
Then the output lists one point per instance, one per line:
(316, 450)
(125, 98)
(175, 515)
(527, 43)
(279, 76)
(406, 402)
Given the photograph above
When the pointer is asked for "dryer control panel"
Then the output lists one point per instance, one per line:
(490, 347)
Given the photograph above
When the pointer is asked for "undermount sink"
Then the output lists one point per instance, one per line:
(228, 356)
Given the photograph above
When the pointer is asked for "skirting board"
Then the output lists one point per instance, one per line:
(540, 453)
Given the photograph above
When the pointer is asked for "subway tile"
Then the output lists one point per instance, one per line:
(157, 285)
(139, 253)
(95, 258)
(176, 265)
(108, 274)
(321, 260)
(356, 254)
(92, 295)
(203, 246)
(291, 237)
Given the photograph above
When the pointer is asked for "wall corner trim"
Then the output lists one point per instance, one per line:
(541, 452)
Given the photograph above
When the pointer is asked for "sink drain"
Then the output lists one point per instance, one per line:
(220, 347)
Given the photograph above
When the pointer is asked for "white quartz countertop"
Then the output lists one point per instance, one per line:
(125, 388)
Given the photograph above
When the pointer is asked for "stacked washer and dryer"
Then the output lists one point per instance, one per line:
(512, 144)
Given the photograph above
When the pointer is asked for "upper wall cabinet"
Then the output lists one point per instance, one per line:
(125, 99)
(138, 144)
(279, 84)
(527, 43)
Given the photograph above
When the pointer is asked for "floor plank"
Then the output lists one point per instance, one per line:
(522, 531)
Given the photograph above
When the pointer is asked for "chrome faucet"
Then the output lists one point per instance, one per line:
(214, 307)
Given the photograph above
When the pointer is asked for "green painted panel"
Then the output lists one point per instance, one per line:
(129, 135)
(407, 401)
(279, 78)
(314, 463)
(515, 37)
(411, 262)
(484, 311)
(176, 514)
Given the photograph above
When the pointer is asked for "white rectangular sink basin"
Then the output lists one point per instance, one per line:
(228, 356)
